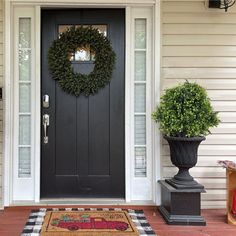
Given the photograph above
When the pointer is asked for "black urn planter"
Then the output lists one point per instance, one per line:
(183, 153)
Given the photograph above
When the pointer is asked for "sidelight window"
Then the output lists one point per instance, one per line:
(140, 98)
(24, 90)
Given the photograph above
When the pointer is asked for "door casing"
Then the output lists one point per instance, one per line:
(8, 125)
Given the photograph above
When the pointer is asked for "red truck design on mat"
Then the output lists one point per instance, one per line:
(88, 223)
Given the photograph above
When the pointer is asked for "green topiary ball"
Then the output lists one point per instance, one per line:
(185, 111)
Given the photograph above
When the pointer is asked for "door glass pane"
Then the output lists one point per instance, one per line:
(83, 53)
(24, 86)
(140, 129)
(140, 73)
(140, 162)
(140, 33)
(25, 65)
(25, 129)
(24, 162)
(24, 33)
(140, 66)
(140, 98)
(63, 28)
(101, 28)
(24, 96)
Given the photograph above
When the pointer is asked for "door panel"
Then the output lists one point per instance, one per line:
(85, 153)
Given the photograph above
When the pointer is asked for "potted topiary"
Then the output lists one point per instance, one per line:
(185, 115)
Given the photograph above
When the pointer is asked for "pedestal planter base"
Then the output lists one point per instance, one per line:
(184, 185)
(181, 206)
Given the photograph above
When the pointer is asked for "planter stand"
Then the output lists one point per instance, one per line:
(181, 206)
(231, 187)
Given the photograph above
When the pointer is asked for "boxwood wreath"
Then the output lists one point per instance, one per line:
(60, 64)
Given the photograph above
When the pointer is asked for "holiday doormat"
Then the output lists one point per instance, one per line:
(87, 222)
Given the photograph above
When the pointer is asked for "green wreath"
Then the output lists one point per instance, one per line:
(60, 64)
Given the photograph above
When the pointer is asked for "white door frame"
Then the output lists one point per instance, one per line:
(9, 95)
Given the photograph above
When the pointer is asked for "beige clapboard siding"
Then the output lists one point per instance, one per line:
(198, 73)
(199, 51)
(212, 183)
(214, 194)
(197, 172)
(209, 150)
(224, 128)
(196, 18)
(227, 116)
(200, 29)
(203, 161)
(222, 95)
(214, 84)
(224, 105)
(225, 139)
(197, 62)
(199, 44)
(209, 204)
(199, 40)
(189, 6)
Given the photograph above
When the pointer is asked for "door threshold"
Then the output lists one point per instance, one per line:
(82, 201)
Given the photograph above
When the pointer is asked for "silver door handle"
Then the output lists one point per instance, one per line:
(45, 127)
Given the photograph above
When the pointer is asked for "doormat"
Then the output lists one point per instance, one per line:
(87, 222)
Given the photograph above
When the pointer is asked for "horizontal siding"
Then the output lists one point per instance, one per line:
(198, 73)
(199, 44)
(203, 161)
(196, 18)
(209, 150)
(200, 29)
(227, 116)
(199, 62)
(197, 172)
(188, 6)
(198, 51)
(209, 84)
(216, 139)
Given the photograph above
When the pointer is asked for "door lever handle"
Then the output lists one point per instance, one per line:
(45, 127)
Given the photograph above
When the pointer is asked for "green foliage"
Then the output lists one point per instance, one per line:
(60, 65)
(185, 111)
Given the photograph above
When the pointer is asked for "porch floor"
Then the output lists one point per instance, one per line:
(12, 221)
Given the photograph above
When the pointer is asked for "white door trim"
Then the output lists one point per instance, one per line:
(9, 95)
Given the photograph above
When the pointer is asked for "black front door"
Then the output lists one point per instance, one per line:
(84, 156)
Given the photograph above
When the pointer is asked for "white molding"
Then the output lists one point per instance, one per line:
(18, 184)
(128, 105)
(92, 3)
(156, 143)
(144, 183)
(8, 126)
(37, 110)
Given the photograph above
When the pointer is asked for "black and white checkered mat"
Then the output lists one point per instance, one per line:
(35, 221)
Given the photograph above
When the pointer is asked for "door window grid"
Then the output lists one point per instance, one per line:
(24, 85)
(83, 54)
(140, 148)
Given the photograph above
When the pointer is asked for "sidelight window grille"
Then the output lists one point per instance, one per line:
(24, 87)
(140, 51)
